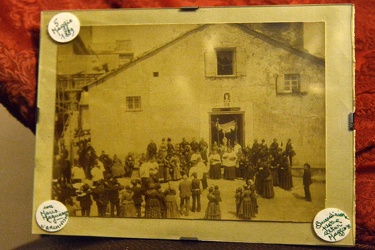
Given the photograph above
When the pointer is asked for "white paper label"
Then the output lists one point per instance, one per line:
(332, 224)
(52, 216)
(64, 27)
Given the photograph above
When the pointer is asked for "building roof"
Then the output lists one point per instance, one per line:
(242, 27)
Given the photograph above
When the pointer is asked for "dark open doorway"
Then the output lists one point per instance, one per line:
(227, 127)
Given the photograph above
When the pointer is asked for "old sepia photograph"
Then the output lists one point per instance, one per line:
(192, 121)
(213, 124)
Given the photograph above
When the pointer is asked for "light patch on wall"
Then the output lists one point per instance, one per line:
(210, 42)
(185, 90)
(315, 89)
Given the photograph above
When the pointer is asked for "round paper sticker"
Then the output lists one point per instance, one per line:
(64, 27)
(52, 216)
(332, 224)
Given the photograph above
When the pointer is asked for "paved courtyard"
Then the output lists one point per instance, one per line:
(285, 206)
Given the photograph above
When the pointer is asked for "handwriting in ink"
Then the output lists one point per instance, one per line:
(52, 215)
(332, 226)
(57, 226)
(63, 30)
(319, 224)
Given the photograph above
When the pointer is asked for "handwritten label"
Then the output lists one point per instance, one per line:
(52, 216)
(332, 224)
(64, 27)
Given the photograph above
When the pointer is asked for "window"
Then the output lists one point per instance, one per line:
(225, 60)
(133, 103)
(289, 84)
(292, 83)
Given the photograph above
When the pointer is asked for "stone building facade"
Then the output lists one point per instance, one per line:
(211, 81)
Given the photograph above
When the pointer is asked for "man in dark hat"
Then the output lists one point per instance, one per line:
(84, 198)
(101, 196)
(114, 198)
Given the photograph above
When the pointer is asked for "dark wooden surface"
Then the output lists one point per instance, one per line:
(70, 242)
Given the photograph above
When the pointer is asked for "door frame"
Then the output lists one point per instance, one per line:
(241, 123)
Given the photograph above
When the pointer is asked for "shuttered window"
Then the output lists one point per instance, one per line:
(225, 62)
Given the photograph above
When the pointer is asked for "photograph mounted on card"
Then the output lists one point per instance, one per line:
(186, 123)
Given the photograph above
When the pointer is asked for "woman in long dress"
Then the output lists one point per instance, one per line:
(152, 206)
(118, 169)
(267, 182)
(258, 180)
(213, 211)
(285, 174)
(254, 199)
(171, 203)
(175, 164)
(127, 203)
(246, 209)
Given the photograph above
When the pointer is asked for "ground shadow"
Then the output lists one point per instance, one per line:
(298, 197)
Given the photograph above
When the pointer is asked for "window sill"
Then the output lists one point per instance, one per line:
(292, 94)
(223, 76)
(138, 110)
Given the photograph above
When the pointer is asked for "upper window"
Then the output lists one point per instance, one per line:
(225, 62)
(133, 103)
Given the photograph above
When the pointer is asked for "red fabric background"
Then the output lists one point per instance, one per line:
(19, 44)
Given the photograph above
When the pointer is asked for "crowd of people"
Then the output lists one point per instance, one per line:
(186, 165)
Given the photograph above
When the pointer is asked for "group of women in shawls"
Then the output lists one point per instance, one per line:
(264, 182)
(213, 211)
(246, 201)
(161, 204)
